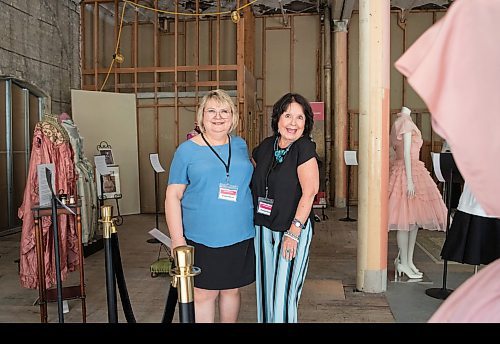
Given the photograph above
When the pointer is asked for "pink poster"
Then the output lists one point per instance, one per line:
(318, 110)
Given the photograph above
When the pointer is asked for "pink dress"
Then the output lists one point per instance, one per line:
(49, 146)
(454, 66)
(426, 209)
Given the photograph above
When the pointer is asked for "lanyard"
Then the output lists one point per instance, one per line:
(275, 161)
(218, 156)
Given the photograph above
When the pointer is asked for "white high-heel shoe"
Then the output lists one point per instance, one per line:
(412, 267)
(402, 269)
(415, 269)
(396, 263)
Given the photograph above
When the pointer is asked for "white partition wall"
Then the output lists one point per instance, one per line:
(111, 117)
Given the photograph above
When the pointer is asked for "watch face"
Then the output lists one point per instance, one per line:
(297, 224)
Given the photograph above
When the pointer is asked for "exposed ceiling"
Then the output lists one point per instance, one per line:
(341, 9)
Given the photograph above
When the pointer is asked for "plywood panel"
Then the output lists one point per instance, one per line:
(277, 73)
(18, 119)
(397, 50)
(228, 42)
(145, 45)
(107, 42)
(306, 47)
(192, 46)
(204, 42)
(19, 182)
(111, 117)
(166, 123)
(417, 24)
(146, 125)
(34, 115)
(187, 117)
(166, 46)
(258, 48)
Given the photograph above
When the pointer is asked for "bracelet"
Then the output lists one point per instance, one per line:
(292, 236)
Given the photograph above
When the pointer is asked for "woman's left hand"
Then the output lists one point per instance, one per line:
(289, 248)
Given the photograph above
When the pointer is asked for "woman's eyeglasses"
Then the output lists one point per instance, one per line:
(224, 113)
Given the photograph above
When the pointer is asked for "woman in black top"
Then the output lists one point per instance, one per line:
(284, 183)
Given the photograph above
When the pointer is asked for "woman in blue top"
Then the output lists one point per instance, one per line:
(208, 205)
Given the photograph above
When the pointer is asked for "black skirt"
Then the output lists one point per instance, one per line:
(472, 239)
(226, 267)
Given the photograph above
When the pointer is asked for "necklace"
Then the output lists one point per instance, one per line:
(279, 154)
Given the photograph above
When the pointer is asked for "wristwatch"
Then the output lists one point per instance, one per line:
(298, 224)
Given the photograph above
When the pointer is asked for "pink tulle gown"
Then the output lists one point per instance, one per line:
(427, 209)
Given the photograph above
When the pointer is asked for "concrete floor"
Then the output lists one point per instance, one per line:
(329, 294)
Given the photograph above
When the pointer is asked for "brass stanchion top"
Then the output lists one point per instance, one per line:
(184, 257)
(106, 212)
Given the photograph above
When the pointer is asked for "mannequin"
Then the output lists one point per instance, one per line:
(406, 239)
(414, 200)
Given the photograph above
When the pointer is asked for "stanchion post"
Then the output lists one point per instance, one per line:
(446, 163)
(347, 218)
(183, 279)
(156, 200)
(58, 262)
(108, 228)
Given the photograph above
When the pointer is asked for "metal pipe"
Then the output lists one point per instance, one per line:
(328, 102)
(340, 188)
(9, 155)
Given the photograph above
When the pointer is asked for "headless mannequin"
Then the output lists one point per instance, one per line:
(406, 239)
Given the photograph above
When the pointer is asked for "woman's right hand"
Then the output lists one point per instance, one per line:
(176, 242)
(410, 189)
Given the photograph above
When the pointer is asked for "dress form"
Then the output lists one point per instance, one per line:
(414, 199)
(406, 239)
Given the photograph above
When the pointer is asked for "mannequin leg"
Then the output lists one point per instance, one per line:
(412, 239)
(403, 239)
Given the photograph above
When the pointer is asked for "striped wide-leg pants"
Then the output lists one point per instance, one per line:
(279, 282)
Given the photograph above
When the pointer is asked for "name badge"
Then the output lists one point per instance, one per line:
(265, 205)
(228, 192)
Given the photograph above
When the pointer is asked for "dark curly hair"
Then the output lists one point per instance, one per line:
(282, 105)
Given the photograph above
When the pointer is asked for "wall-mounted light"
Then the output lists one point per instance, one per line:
(118, 58)
(235, 16)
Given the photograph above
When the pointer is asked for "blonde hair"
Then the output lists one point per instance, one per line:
(221, 97)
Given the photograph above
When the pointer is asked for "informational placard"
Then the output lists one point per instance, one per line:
(350, 158)
(100, 165)
(163, 238)
(436, 163)
(155, 162)
(43, 185)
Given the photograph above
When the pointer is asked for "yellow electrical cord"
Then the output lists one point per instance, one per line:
(117, 46)
(125, 2)
(187, 14)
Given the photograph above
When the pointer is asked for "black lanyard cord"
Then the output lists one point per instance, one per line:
(218, 156)
(274, 161)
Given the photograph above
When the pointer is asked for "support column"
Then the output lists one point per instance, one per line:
(373, 176)
(341, 120)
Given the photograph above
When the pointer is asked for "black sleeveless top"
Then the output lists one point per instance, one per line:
(283, 181)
